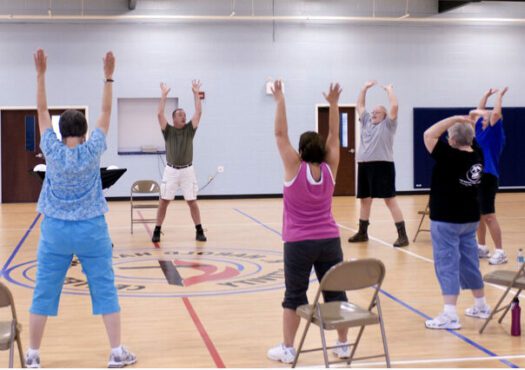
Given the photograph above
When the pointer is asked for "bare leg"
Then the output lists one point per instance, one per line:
(161, 212)
(393, 206)
(37, 324)
(366, 206)
(195, 212)
(451, 299)
(112, 323)
(291, 323)
(478, 293)
(495, 231)
(482, 231)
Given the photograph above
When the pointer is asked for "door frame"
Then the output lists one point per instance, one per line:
(34, 107)
(357, 129)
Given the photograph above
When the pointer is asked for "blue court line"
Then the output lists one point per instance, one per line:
(19, 245)
(258, 222)
(410, 308)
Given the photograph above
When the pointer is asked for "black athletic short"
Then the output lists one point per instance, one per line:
(376, 179)
(299, 257)
(487, 190)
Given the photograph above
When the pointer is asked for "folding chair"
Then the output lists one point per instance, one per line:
(143, 187)
(10, 330)
(346, 276)
(509, 279)
(423, 214)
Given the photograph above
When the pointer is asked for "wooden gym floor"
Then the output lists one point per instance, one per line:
(222, 308)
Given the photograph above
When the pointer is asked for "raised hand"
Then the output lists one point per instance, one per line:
(369, 84)
(333, 94)
(109, 65)
(277, 90)
(503, 91)
(165, 90)
(388, 88)
(40, 61)
(491, 91)
(195, 86)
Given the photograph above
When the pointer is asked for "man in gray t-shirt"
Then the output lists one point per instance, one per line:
(376, 176)
(179, 172)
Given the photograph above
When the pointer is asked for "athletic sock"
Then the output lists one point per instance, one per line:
(450, 310)
(33, 352)
(480, 302)
(117, 351)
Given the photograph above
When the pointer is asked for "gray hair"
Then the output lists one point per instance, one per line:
(461, 134)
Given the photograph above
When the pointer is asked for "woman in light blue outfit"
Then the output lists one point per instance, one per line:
(73, 206)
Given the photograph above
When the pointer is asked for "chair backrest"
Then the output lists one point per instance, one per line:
(7, 300)
(354, 275)
(145, 186)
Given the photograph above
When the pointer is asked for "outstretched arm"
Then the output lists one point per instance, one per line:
(361, 106)
(44, 119)
(107, 93)
(497, 111)
(289, 155)
(394, 107)
(195, 87)
(332, 141)
(165, 90)
(483, 102)
(434, 132)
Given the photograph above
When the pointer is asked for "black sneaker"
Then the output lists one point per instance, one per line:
(358, 238)
(199, 236)
(156, 236)
(402, 241)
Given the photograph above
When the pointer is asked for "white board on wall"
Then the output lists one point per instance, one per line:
(138, 127)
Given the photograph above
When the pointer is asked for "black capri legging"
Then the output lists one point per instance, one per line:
(299, 258)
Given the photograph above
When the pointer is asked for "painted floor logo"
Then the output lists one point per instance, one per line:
(176, 272)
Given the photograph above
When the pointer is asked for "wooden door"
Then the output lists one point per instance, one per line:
(345, 178)
(20, 154)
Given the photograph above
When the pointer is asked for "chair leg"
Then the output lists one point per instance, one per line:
(354, 347)
(323, 338)
(383, 333)
(508, 307)
(419, 228)
(20, 350)
(12, 343)
(301, 343)
(491, 316)
(131, 221)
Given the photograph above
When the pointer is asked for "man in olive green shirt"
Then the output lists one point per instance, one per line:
(179, 172)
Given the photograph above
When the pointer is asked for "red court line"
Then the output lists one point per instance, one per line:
(198, 324)
(157, 245)
(204, 335)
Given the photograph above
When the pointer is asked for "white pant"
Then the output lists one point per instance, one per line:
(175, 179)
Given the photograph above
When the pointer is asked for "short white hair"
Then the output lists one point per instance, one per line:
(461, 133)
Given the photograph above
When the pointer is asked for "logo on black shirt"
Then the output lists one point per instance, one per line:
(473, 175)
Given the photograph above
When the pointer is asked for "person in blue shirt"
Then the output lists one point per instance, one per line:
(490, 135)
(73, 207)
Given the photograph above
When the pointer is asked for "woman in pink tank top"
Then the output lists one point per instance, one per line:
(310, 234)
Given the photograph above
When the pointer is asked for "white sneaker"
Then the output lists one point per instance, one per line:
(498, 257)
(281, 353)
(121, 359)
(480, 313)
(33, 361)
(483, 252)
(443, 321)
(341, 352)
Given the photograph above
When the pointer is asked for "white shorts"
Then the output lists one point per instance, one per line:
(175, 179)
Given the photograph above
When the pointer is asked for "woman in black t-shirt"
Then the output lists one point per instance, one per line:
(454, 215)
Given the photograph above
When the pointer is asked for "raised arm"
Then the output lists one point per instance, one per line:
(107, 93)
(394, 106)
(289, 155)
(483, 102)
(434, 132)
(195, 87)
(497, 111)
(44, 119)
(361, 99)
(332, 141)
(165, 90)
